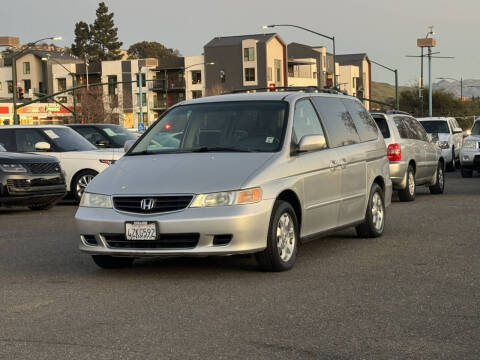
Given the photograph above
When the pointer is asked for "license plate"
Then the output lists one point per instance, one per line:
(140, 230)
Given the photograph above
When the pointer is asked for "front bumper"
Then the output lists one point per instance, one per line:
(26, 189)
(247, 225)
(470, 158)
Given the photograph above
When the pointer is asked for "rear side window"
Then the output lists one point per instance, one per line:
(402, 128)
(418, 132)
(6, 140)
(339, 126)
(383, 126)
(366, 127)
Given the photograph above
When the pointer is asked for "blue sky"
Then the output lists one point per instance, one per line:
(386, 30)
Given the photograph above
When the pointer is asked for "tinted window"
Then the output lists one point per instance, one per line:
(366, 127)
(436, 127)
(475, 128)
(383, 125)
(117, 134)
(27, 138)
(225, 126)
(305, 120)
(6, 140)
(66, 139)
(90, 133)
(402, 128)
(416, 129)
(338, 123)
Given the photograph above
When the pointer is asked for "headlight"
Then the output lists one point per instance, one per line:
(96, 200)
(107, 162)
(469, 144)
(13, 168)
(443, 144)
(226, 198)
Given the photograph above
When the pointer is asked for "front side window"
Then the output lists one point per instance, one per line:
(27, 138)
(366, 127)
(252, 126)
(117, 134)
(305, 120)
(249, 54)
(249, 74)
(339, 126)
(26, 68)
(90, 133)
(436, 127)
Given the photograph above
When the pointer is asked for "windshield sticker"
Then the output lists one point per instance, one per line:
(110, 132)
(51, 134)
(269, 140)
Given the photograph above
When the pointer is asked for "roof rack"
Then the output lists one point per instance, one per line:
(389, 112)
(307, 89)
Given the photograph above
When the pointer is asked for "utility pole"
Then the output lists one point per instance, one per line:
(430, 91)
(141, 125)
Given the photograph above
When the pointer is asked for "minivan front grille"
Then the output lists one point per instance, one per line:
(165, 241)
(159, 204)
(43, 168)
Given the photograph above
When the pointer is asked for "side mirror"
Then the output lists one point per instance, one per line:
(128, 144)
(102, 143)
(42, 146)
(312, 143)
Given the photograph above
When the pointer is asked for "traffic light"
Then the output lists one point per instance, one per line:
(20, 93)
(222, 76)
(272, 86)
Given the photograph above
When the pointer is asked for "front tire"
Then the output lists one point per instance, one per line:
(111, 262)
(408, 194)
(282, 239)
(80, 182)
(374, 222)
(439, 185)
(451, 166)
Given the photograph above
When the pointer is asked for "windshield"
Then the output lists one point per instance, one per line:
(118, 134)
(256, 126)
(476, 128)
(436, 127)
(67, 139)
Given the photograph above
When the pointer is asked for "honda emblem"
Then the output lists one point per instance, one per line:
(147, 204)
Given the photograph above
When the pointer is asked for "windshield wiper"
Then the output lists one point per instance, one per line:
(219, 149)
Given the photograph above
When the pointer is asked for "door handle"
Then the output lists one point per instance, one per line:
(333, 165)
(343, 163)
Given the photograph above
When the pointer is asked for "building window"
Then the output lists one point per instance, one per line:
(249, 74)
(269, 73)
(62, 99)
(10, 86)
(144, 80)
(1, 86)
(62, 84)
(26, 68)
(249, 54)
(112, 84)
(196, 94)
(196, 77)
(314, 74)
(278, 71)
(144, 99)
(27, 85)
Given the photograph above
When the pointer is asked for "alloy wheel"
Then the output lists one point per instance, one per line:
(286, 237)
(378, 215)
(82, 183)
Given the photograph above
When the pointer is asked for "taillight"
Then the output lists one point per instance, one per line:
(394, 152)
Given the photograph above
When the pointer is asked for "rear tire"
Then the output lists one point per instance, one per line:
(466, 173)
(408, 194)
(452, 164)
(439, 185)
(375, 215)
(80, 182)
(111, 262)
(282, 239)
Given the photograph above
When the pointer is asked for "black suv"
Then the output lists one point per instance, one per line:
(31, 180)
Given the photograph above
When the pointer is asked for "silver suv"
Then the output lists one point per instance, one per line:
(470, 152)
(240, 173)
(414, 158)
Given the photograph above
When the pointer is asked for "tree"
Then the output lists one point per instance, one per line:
(81, 46)
(150, 49)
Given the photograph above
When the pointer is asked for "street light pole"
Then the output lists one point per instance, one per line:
(332, 38)
(395, 71)
(15, 56)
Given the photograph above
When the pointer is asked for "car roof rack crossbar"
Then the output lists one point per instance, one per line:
(389, 112)
(307, 89)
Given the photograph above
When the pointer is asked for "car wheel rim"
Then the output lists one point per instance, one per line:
(377, 212)
(82, 184)
(411, 184)
(440, 177)
(286, 237)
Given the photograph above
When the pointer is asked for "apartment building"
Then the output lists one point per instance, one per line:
(364, 79)
(243, 62)
(195, 76)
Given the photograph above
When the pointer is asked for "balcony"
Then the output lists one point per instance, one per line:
(305, 74)
(173, 84)
(159, 104)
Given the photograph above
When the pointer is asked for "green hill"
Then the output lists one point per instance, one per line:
(385, 92)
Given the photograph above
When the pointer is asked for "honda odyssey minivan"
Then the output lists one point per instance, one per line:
(237, 174)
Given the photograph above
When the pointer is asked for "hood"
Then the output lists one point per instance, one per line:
(471, 137)
(107, 154)
(187, 173)
(15, 158)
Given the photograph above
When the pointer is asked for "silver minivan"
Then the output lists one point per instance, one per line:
(414, 158)
(240, 173)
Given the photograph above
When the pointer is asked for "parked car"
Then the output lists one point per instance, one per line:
(104, 135)
(448, 135)
(470, 152)
(414, 158)
(30, 180)
(80, 160)
(240, 173)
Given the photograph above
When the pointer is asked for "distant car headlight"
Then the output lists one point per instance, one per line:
(227, 198)
(107, 162)
(443, 144)
(96, 200)
(13, 168)
(469, 144)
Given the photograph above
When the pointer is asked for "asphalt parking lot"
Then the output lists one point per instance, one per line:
(413, 293)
